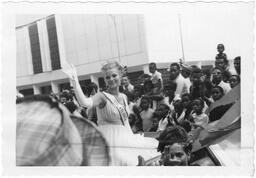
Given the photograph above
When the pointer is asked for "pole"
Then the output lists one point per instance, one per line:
(117, 40)
(181, 39)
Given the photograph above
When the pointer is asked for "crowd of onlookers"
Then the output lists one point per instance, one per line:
(180, 102)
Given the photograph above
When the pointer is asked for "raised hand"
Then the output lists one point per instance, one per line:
(69, 70)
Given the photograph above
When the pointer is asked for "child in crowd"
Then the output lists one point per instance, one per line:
(177, 114)
(217, 93)
(218, 112)
(135, 97)
(154, 125)
(149, 91)
(221, 49)
(169, 94)
(234, 80)
(161, 113)
(186, 105)
(146, 113)
(198, 119)
(156, 78)
(135, 123)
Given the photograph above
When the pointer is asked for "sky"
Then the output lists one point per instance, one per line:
(202, 26)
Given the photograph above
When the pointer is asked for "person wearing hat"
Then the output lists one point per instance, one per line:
(48, 135)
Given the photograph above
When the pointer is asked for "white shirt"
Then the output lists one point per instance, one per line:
(147, 117)
(201, 120)
(182, 85)
(225, 86)
(130, 88)
(155, 77)
(162, 124)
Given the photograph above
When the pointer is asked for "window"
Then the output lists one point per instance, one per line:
(35, 48)
(53, 43)
(133, 76)
(46, 89)
(27, 92)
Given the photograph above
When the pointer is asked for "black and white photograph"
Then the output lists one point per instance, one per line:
(129, 85)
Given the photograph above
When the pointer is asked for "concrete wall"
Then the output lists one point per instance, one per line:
(87, 41)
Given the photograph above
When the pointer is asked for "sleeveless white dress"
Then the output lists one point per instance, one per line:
(125, 147)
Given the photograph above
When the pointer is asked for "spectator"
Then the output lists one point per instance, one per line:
(148, 87)
(218, 112)
(186, 72)
(136, 97)
(177, 115)
(161, 113)
(156, 78)
(169, 94)
(73, 109)
(146, 114)
(226, 76)
(174, 146)
(62, 140)
(221, 61)
(135, 123)
(217, 80)
(237, 65)
(127, 86)
(221, 54)
(176, 77)
(234, 80)
(65, 97)
(154, 125)
(217, 93)
(198, 118)
(186, 105)
(197, 88)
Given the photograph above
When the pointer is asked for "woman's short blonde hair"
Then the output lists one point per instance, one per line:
(112, 65)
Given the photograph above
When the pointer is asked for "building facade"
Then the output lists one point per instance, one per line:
(87, 42)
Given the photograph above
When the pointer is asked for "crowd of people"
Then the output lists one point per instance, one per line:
(176, 109)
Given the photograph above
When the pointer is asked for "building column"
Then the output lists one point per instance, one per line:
(145, 69)
(28, 52)
(36, 90)
(44, 45)
(60, 36)
(55, 87)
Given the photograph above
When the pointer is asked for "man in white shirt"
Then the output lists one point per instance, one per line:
(175, 76)
(156, 78)
(217, 80)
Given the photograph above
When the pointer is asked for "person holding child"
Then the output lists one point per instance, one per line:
(198, 119)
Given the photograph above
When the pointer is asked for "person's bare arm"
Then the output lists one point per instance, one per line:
(70, 71)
